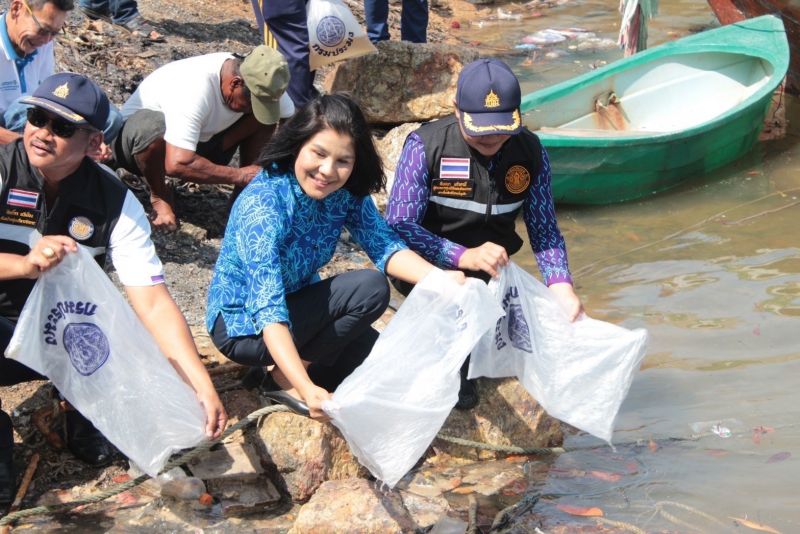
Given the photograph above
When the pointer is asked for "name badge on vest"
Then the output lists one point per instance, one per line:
(21, 208)
(453, 180)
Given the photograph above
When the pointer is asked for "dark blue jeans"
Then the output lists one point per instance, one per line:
(413, 20)
(284, 25)
(121, 11)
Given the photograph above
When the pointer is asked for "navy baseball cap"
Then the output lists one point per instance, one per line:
(73, 97)
(488, 98)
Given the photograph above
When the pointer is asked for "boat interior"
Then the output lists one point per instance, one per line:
(672, 94)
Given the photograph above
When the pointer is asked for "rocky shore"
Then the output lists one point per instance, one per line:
(290, 473)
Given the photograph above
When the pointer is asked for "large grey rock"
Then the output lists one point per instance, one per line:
(306, 453)
(390, 147)
(506, 415)
(358, 506)
(403, 82)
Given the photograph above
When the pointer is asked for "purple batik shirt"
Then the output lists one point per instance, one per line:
(409, 200)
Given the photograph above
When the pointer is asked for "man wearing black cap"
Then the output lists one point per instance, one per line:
(188, 117)
(461, 181)
(52, 198)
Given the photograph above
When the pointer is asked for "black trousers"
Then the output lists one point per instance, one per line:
(330, 323)
(284, 26)
(11, 372)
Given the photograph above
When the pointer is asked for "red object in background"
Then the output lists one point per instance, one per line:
(730, 11)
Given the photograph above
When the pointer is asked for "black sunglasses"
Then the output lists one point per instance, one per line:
(60, 127)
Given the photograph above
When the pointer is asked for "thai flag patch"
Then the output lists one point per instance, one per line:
(22, 198)
(457, 168)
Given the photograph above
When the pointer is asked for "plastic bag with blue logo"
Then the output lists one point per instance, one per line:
(393, 405)
(580, 372)
(334, 33)
(78, 330)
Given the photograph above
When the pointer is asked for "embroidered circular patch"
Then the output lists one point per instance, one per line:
(80, 228)
(330, 31)
(87, 346)
(517, 179)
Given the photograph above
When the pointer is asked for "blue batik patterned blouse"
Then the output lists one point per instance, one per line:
(277, 239)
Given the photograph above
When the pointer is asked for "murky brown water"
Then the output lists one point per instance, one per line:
(712, 270)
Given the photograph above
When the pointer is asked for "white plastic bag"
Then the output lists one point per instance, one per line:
(334, 33)
(393, 405)
(579, 372)
(77, 330)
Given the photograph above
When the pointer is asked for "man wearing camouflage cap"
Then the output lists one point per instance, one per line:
(187, 118)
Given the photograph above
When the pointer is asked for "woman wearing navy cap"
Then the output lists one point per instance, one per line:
(462, 180)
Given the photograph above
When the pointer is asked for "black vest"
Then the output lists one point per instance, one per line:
(470, 209)
(87, 208)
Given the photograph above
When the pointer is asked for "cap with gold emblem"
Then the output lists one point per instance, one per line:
(488, 97)
(73, 97)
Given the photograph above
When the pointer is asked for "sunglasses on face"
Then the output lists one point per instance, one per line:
(60, 127)
(44, 32)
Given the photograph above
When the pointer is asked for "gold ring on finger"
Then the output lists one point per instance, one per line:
(48, 252)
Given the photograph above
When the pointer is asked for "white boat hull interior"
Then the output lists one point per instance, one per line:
(671, 94)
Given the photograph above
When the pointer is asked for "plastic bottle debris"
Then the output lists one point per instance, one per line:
(724, 428)
(544, 37)
(175, 483)
(503, 14)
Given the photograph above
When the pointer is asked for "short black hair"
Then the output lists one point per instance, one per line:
(342, 114)
(63, 5)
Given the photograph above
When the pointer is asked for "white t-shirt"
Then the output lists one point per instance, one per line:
(188, 93)
(40, 67)
(131, 250)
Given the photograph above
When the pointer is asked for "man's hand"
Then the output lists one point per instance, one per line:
(102, 154)
(246, 175)
(163, 217)
(216, 417)
(46, 254)
(565, 294)
(488, 257)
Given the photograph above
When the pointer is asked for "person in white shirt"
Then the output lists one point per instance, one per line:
(54, 198)
(27, 32)
(187, 119)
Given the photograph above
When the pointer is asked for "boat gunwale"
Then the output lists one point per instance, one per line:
(698, 43)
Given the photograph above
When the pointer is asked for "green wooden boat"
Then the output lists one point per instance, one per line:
(651, 121)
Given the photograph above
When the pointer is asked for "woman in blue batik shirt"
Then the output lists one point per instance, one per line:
(266, 304)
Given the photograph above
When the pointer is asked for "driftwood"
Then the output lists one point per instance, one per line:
(23, 488)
